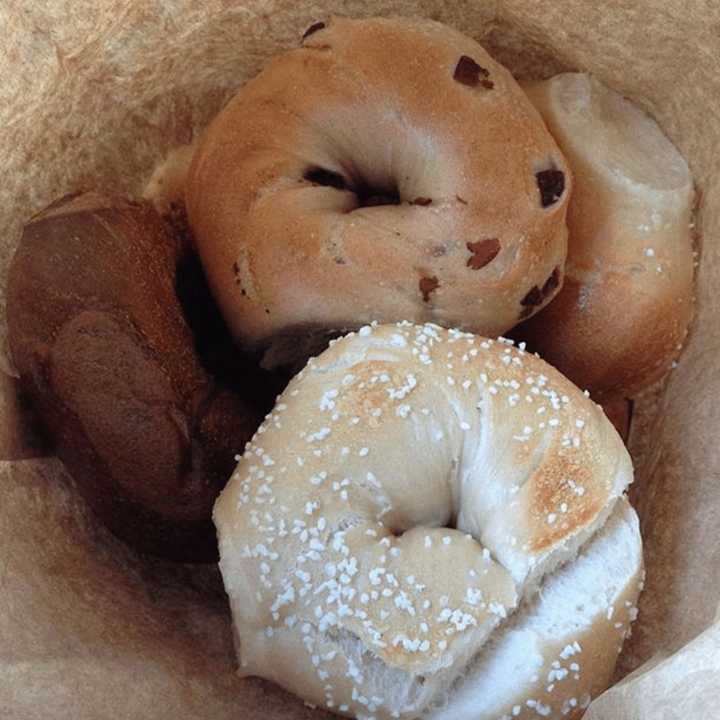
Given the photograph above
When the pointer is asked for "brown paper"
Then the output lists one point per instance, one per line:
(96, 94)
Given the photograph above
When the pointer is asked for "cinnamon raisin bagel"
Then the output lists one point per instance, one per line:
(387, 169)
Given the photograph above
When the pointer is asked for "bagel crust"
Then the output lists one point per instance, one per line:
(104, 307)
(411, 489)
(624, 311)
(387, 169)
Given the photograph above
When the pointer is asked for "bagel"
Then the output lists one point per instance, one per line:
(125, 359)
(559, 650)
(413, 488)
(330, 192)
(624, 310)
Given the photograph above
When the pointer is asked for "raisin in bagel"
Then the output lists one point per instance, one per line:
(100, 302)
(386, 532)
(627, 301)
(332, 191)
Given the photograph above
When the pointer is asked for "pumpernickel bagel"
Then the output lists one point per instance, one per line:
(102, 304)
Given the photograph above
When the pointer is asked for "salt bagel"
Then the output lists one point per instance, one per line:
(624, 311)
(411, 489)
(387, 169)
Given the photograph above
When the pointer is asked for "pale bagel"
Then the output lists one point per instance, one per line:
(624, 310)
(331, 191)
(559, 650)
(412, 488)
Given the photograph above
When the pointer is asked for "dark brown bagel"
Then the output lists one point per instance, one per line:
(103, 300)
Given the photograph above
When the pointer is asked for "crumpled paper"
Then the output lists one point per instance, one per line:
(96, 94)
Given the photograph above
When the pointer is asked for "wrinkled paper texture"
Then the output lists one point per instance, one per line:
(95, 94)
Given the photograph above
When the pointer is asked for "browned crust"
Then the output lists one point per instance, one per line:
(624, 311)
(281, 250)
(107, 358)
(622, 340)
(441, 468)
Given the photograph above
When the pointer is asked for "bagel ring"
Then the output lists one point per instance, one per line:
(330, 192)
(412, 487)
(630, 243)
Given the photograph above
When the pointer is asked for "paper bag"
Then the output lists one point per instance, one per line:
(95, 94)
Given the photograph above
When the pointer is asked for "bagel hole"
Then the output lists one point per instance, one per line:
(372, 196)
(366, 194)
(449, 523)
(327, 178)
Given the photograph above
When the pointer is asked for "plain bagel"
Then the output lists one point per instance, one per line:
(624, 310)
(331, 192)
(409, 493)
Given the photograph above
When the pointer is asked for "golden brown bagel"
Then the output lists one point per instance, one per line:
(624, 310)
(412, 488)
(331, 192)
